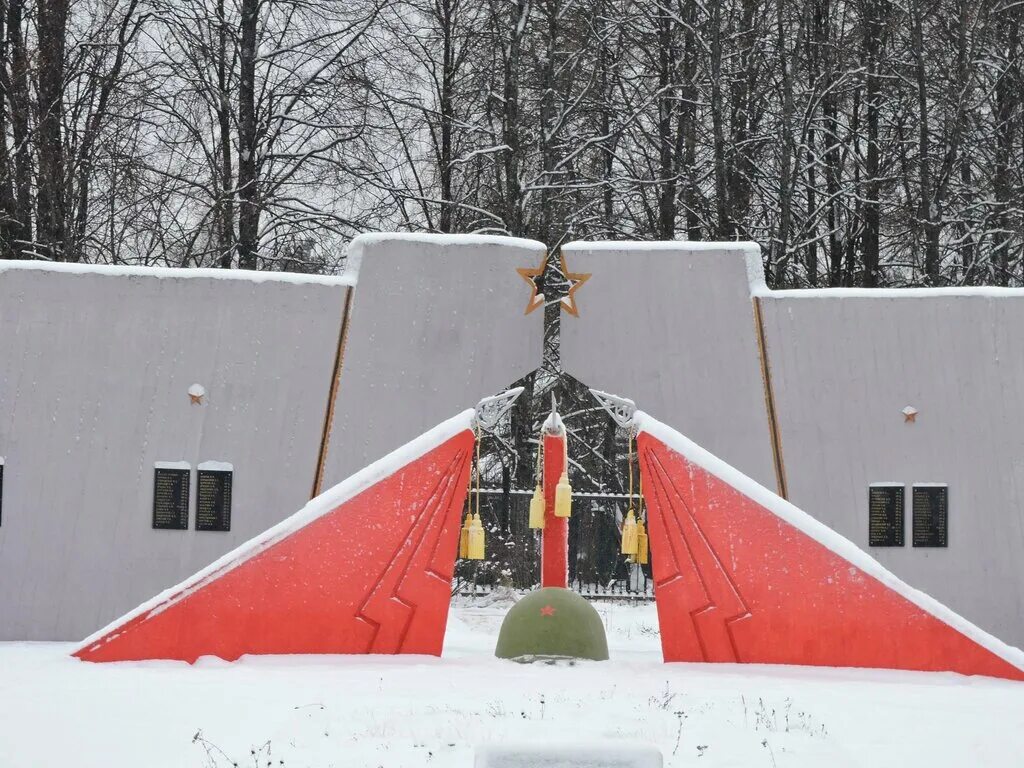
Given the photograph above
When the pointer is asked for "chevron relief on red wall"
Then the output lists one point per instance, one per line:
(690, 574)
(417, 571)
(369, 574)
(739, 579)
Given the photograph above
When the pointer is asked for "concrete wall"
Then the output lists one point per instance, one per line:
(844, 364)
(95, 365)
(437, 324)
(94, 373)
(95, 368)
(671, 326)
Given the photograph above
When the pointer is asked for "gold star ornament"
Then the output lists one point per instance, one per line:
(576, 281)
(530, 276)
(568, 302)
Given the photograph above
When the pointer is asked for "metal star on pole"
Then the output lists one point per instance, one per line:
(531, 276)
(574, 279)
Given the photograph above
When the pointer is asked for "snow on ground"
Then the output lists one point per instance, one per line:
(420, 711)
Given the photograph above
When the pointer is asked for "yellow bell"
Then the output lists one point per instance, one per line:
(563, 496)
(629, 534)
(464, 539)
(475, 540)
(537, 508)
(642, 553)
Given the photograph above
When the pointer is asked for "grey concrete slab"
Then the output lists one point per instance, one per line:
(96, 364)
(95, 367)
(671, 326)
(437, 324)
(844, 366)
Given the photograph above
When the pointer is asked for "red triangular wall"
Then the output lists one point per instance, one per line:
(372, 575)
(735, 582)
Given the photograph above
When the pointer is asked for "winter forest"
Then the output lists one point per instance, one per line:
(859, 142)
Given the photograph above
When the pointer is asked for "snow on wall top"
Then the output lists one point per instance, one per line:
(662, 245)
(755, 272)
(356, 248)
(314, 509)
(215, 466)
(985, 291)
(823, 535)
(750, 251)
(119, 270)
(349, 277)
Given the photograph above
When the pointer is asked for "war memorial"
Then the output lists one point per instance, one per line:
(200, 463)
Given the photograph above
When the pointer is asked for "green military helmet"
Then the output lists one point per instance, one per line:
(552, 623)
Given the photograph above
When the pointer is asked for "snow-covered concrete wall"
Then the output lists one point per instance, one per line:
(437, 323)
(844, 364)
(95, 370)
(671, 326)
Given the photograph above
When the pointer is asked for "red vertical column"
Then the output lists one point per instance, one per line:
(554, 561)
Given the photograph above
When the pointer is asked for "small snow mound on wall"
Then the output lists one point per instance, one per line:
(742, 575)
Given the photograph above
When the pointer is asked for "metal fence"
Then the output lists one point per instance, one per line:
(596, 567)
(590, 591)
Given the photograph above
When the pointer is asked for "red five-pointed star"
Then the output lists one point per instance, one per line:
(547, 610)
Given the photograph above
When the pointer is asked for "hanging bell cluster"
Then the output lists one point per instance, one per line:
(629, 533)
(634, 538)
(537, 508)
(472, 537)
(563, 491)
(634, 532)
(563, 496)
(475, 539)
(537, 504)
(642, 552)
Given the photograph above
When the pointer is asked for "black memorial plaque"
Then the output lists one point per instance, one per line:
(170, 499)
(885, 516)
(213, 500)
(931, 515)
